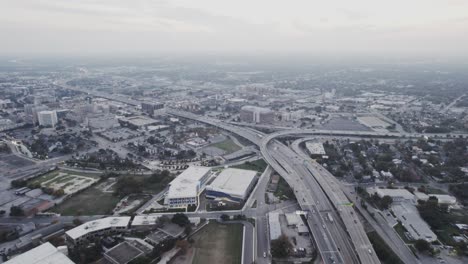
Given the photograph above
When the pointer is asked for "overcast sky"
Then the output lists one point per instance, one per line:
(427, 27)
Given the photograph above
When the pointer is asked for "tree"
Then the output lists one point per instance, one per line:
(188, 229)
(281, 247)
(422, 245)
(77, 222)
(224, 217)
(161, 221)
(16, 211)
(180, 219)
(386, 202)
(183, 245)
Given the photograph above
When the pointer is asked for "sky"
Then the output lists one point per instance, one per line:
(309, 27)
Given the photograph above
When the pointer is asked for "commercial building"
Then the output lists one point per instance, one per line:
(183, 190)
(315, 148)
(123, 253)
(398, 195)
(254, 114)
(43, 254)
(274, 225)
(137, 122)
(232, 184)
(47, 118)
(96, 228)
(149, 107)
(31, 111)
(409, 217)
(294, 220)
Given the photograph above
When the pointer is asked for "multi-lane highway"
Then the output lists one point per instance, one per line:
(335, 243)
(377, 222)
(339, 234)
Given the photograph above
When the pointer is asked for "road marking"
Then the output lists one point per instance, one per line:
(243, 244)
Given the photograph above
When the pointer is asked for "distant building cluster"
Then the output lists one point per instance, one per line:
(254, 114)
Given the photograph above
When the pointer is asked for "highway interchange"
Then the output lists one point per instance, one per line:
(338, 232)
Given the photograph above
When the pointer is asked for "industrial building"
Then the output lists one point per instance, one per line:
(149, 107)
(97, 227)
(137, 122)
(274, 225)
(315, 148)
(232, 184)
(409, 217)
(294, 220)
(183, 190)
(255, 114)
(45, 253)
(47, 118)
(398, 195)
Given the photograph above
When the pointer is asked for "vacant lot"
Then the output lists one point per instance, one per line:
(218, 243)
(89, 202)
(256, 165)
(70, 182)
(227, 145)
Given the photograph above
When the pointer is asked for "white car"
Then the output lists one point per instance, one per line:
(264, 254)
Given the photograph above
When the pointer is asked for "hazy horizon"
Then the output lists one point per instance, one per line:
(435, 28)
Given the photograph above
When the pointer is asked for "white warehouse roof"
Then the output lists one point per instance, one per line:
(274, 224)
(233, 181)
(143, 220)
(394, 193)
(43, 254)
(256, 109)
(315, 148)
(96, 225)
(186, 184)
(412, 221)
(444, 198)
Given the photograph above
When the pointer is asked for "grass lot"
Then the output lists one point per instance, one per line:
(434, 190)
(284, 191)
(89, 202)
(401, 232)
(382, 250)
(44, 178)
(49, 176)
(218, 243)
(445, 234)
(256, 165)
(227, 145)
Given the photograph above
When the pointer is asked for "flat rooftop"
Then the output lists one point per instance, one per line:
(315, 148)
(275, 226)
(139, 120)
(43, 254)
(394, 193)
(123, 253)
(186, 184)
(97, 225)
(256, 109)
(412, 221)
(233, 181)
(142, 220)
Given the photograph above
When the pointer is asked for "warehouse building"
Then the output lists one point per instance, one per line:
(232, 184)
(274, 225)
(409, 217)
(184, 190)
(315, 149)
(45, 253)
